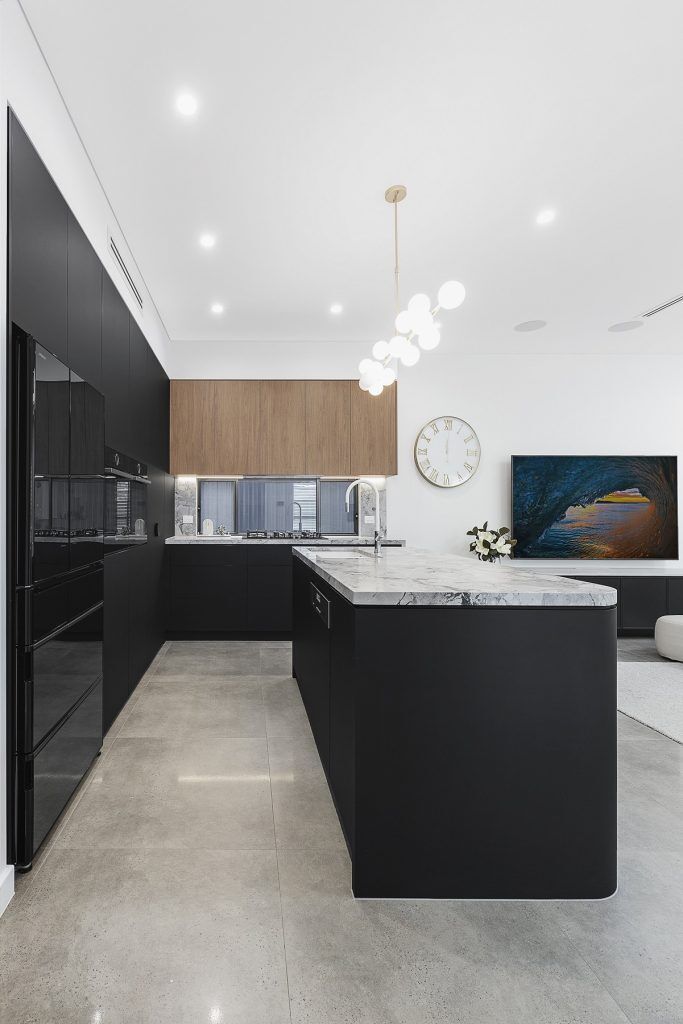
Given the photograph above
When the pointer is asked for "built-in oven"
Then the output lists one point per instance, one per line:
(126, 489)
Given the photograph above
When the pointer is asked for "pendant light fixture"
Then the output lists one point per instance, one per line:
(415, 327)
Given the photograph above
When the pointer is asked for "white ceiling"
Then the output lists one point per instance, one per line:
(488, 111)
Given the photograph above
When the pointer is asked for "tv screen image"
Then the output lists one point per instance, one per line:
(595, 506)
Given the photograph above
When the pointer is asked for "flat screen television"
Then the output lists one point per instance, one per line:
(595, 506)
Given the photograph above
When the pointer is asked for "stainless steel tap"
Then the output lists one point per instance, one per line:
(378, 528)
(301, 515)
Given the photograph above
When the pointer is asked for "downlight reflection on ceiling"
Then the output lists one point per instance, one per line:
(531, 325)
(626, 325)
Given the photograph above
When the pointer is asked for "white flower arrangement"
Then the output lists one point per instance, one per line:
(490, 545)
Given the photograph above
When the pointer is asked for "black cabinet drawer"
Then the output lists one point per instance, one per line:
(675, 601)
(270, 598)
(205, 553)
(60, 765)
(643, 600)
(209, 597)
(269, 554)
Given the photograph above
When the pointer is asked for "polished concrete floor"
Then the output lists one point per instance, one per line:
(200, 876)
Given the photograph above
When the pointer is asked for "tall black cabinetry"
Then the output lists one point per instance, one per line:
(62, 295)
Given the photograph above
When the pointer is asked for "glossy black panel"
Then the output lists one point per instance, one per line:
(61, 764)
(53, 606)
(116, 635)
(86, 505)
(38, 246)
(51, 466)
(63, 669)
(119, 430)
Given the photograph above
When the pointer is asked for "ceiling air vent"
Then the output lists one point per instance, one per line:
(121, 264)
(664, 305)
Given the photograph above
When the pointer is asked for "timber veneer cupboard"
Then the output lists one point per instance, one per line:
(281, 427)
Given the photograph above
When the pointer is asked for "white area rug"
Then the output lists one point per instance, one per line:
(650, 688)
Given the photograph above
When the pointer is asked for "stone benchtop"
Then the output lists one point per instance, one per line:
(409, 576)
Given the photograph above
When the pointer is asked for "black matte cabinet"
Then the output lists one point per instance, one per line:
(269, 588)
(312, 639)
(141, 410)
(119, 432)
(643, 600)
(116, 635)
(675, 595)
(38, 229)
(84, 306)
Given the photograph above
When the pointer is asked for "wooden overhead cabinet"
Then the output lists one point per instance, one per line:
(373, 432)
(328, 427)
(193, 427)
(281, 427)
(238, 431)
(283, 421)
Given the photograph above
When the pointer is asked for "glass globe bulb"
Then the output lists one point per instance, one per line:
(396, 346)
(402, 322)
(419, 304)
(388, 376)
(410, 356)
(364, 365)
(376, 389)
(429, 338)
(451, 295)
(365, 381)
(380, 350)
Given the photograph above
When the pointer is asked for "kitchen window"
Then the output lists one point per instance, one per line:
(276, 504)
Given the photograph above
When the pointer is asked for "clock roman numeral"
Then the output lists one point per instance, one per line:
(468, 439)
(421, 451)
(468, 467)
(434, 427)
(425, 464)
(448, 424)
(471, 451)
(434, 475)
(446, 479)
(425, 438)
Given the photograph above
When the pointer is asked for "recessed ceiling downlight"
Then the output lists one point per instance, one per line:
(626, 325)
(336, 308)
(187, 104)
(207, 240)
(531, 325)
(545, 217)
(217, 308)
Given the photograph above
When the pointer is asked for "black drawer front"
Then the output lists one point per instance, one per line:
(643, 600)
(60, 765)
(204, 553)
(58, 673)
(54, 606)
(269, 554)
(675, 602)
(209, 597)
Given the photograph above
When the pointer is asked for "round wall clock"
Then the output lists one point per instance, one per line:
(447, 451)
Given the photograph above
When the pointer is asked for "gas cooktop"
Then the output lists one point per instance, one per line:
(284, 535)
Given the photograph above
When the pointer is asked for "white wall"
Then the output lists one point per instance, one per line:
(27, 86)
(305, 360)
(527, 405)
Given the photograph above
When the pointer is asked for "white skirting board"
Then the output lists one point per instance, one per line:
(6, 886)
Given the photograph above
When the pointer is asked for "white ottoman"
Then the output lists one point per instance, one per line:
(669, 636)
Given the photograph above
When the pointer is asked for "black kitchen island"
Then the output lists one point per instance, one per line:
(465, 716)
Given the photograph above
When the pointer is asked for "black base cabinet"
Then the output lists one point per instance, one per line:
(116, 635)
(641, 600)
(490, 775)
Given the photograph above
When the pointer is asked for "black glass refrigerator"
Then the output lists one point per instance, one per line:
(57, 542)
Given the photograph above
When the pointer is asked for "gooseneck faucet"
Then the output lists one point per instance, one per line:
(378, 530)
(301, 515)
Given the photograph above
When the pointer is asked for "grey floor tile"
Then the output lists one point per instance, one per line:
(305, 817)
(242, 659)
(276, 661)
(402, 962)
(198, 707)
(634, 941)
(146, 937)
(161, 794)
(285, 714)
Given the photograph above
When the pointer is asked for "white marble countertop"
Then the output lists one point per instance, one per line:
(347, 541)
(409, 576)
